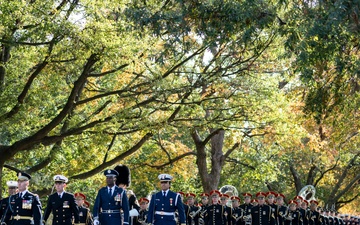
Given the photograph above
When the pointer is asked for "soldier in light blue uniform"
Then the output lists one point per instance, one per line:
(164, 204)
(109, 201)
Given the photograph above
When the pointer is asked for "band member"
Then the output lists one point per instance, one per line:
(246, 207)
(262, 214)
(109, 201)
(164, 203)
(191, 210)
(143, 213)
(282, 210)
(204, 203)
(62, 204)
(85, 217)
(25, 207)
(237, 212)
(12, 189)
(270, 200)
(123, 180)
(215, 213)
(299, 200)
(224, 198)
(293, 216)
(314, 215)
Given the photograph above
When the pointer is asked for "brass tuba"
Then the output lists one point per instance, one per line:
(229, 190)
(308, 193)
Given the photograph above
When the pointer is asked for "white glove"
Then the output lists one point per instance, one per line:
(133, 212)
(96, 222)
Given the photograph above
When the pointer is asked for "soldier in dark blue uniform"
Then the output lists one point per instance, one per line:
(224, 198)
(191, 210)
(61, 204)
(246, 207)
(25, 207)
(314, 215)
(143, 213)
(270, 196)
(262, 214)
(293, 216)
(282, 210)
(12, 189)
(204, 203)
(237, 212)
(215, 213)
(164, 203)
(85, 217)
(109, 201)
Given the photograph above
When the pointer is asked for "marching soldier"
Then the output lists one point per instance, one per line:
(25, 207)
(262, 214)
(246, 207)
(224, 198)
(293, 217)
(282, 210)
(143, 213)
(204, 203)
(85, 217)
(302, 211)
(164, 203)
(12, 190)
(314, 215)
(191, 210)
(215, 213)
(237, 212)
(270, 199)
(109, 201)
(62, 204)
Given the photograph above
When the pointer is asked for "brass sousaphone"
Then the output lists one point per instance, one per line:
(308, 193)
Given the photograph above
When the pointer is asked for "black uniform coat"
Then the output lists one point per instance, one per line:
(262, 215)
(296, 218)
(215, 215)
(247, 212)
(237, 214)
(85, 216)
(63, 209)
(191, 210)
(314, 218)
(3, 206)
(28, 206)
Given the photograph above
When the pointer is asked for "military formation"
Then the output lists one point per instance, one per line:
(115, 205)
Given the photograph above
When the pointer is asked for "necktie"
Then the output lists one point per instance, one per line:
(110, 192)
(164, 194)
(59, 195)
(20, 194)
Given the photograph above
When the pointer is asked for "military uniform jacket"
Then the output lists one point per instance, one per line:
(262, 215)
(247, 212)
(190, 211)
(215, 215)
(282, 211)
(85, 216)
(296, 218)
(314, 218)
(63, 209)
(107, 208)
(25, 210)
(3, 206)
(162, 209)
(275, 210)
(237, 214)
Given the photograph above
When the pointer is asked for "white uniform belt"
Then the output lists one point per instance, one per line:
(110, 211)
(165, 213)
(18, 217)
